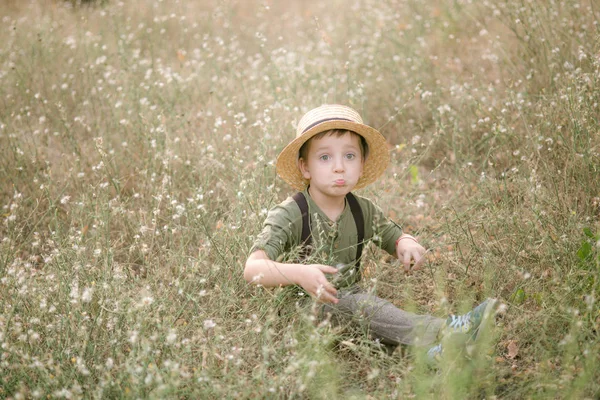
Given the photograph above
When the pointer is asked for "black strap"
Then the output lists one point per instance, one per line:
(360, 225)
(306, 237)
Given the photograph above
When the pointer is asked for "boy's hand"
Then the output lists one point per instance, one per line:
(410, 251)
(312, 278)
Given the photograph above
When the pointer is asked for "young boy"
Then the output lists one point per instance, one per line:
(325, 226)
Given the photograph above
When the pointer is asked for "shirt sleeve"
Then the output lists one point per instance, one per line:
(384, 231)
(279, 234)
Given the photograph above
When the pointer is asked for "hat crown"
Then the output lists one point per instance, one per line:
(327, 112)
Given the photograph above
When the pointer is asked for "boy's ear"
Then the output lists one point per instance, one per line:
(303, 167)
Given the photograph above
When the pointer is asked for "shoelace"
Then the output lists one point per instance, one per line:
(435, 351)
(462, 322)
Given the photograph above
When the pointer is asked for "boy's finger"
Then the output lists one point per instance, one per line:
(420, 260)
(326, 293)
(331, 295)
(331, 289)
(416, 256)
(406, 260)
(328, 269)
(417, 266)
(326, 287)
(328, 299)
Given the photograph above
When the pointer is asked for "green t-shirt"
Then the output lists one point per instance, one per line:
(333, 242)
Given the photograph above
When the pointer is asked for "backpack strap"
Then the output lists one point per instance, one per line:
(359, 220)
(306, 237)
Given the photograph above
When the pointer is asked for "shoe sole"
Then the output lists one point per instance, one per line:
(490, 311)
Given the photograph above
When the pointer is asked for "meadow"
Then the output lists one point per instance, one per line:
(137, 149)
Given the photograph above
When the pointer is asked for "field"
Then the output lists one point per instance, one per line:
(137, 149)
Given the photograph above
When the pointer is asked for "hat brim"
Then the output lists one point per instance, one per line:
(376, 162)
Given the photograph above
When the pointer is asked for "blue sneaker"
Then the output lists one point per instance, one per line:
(469, 323)
(434, 354)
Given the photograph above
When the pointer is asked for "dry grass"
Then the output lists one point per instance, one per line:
(137, 143)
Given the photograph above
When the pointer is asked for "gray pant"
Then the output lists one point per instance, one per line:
(383, 320)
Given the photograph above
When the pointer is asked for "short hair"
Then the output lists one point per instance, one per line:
(364, 147)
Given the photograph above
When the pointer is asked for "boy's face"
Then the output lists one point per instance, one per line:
(333, 165)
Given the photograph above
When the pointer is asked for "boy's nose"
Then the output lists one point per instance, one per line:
(339, 165)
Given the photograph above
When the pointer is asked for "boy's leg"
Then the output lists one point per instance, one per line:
(384, 320)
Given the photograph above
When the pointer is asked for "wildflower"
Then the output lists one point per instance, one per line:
(171, 337)
(589, 300)
(86, 296)
(133, 337)
(502, 308)
(209, 324)
(146, 301)
(33, 336)
(64, 393)
(74, 294)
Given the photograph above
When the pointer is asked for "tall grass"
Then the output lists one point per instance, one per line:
(137, 145)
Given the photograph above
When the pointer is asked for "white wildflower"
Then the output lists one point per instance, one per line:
(171, 337)
(86, 296)
(133, 337)
(74, 294)
(209, 324)
(146, 301)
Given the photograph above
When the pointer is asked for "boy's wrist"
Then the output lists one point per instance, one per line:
(405, 236)
(294, 272)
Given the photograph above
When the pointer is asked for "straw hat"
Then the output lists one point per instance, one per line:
(324, 118)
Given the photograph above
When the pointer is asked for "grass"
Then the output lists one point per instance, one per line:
(137, 142)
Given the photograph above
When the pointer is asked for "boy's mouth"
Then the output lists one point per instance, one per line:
(340, 182)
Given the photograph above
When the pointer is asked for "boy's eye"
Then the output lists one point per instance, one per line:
(325, 157)
(350, 156)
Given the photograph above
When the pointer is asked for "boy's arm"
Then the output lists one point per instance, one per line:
(261, 270)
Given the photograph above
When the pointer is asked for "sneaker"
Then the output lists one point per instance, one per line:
(434, 354)
(470, 322)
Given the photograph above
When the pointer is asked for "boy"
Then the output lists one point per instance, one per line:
(325, 225)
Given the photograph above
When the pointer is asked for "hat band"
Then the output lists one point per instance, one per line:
(325, 120)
